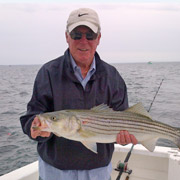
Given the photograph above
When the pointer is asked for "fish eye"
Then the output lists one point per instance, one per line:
(53, 118)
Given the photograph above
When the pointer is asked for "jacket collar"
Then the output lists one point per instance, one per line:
(100, 69)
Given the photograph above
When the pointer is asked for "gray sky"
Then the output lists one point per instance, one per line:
(34, 33)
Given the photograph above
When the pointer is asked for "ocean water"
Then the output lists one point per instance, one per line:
(143, 81)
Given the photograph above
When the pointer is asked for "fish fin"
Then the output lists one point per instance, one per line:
(102, 107)
(90, 145)
(139, 109)
(150, 144)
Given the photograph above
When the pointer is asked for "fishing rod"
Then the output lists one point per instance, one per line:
(122, 167)
(155, 95)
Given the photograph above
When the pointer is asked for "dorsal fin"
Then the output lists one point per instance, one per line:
(139, 109)
(102, 107)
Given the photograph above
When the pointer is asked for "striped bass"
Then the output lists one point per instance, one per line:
(101, 124)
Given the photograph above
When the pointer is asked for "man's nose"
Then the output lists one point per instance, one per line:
(83, 38)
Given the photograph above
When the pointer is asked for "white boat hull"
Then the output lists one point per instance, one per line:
(162, 164)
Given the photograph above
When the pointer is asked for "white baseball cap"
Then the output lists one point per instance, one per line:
(83, 17)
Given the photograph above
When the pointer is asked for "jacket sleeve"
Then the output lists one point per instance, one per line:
(41, 101)
(119, 100)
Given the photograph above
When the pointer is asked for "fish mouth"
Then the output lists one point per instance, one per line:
(45, 123)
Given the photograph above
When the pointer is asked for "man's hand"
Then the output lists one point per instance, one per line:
(123, 138)
(35, 132)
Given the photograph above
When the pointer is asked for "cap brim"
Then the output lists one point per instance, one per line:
(93, 27)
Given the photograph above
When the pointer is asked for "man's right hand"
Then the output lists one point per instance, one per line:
(35, 132)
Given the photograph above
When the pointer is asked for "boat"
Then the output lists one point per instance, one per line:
(149, 62)
(162, 164)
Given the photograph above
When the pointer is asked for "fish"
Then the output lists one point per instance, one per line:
(101, 124)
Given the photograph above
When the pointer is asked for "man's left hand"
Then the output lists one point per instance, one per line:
(123, 138)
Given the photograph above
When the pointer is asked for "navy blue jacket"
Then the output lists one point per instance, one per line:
(57, 88)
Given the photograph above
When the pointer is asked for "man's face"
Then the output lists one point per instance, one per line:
(82, 50)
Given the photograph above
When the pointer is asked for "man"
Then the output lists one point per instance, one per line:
(77, 80)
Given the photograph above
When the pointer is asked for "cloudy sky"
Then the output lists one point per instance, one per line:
(33, 31)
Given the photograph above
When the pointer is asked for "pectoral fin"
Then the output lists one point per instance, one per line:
(150, 144)
(91, 146)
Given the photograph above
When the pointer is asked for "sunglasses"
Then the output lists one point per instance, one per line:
(78, 35)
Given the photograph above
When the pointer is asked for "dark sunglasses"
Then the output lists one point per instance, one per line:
(78, 35)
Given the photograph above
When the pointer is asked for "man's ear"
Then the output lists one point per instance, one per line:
(67, 37)
(99, 37)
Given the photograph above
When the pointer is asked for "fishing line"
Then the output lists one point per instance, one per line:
(155, 95)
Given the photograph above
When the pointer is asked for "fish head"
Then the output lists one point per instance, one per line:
(62, 123)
